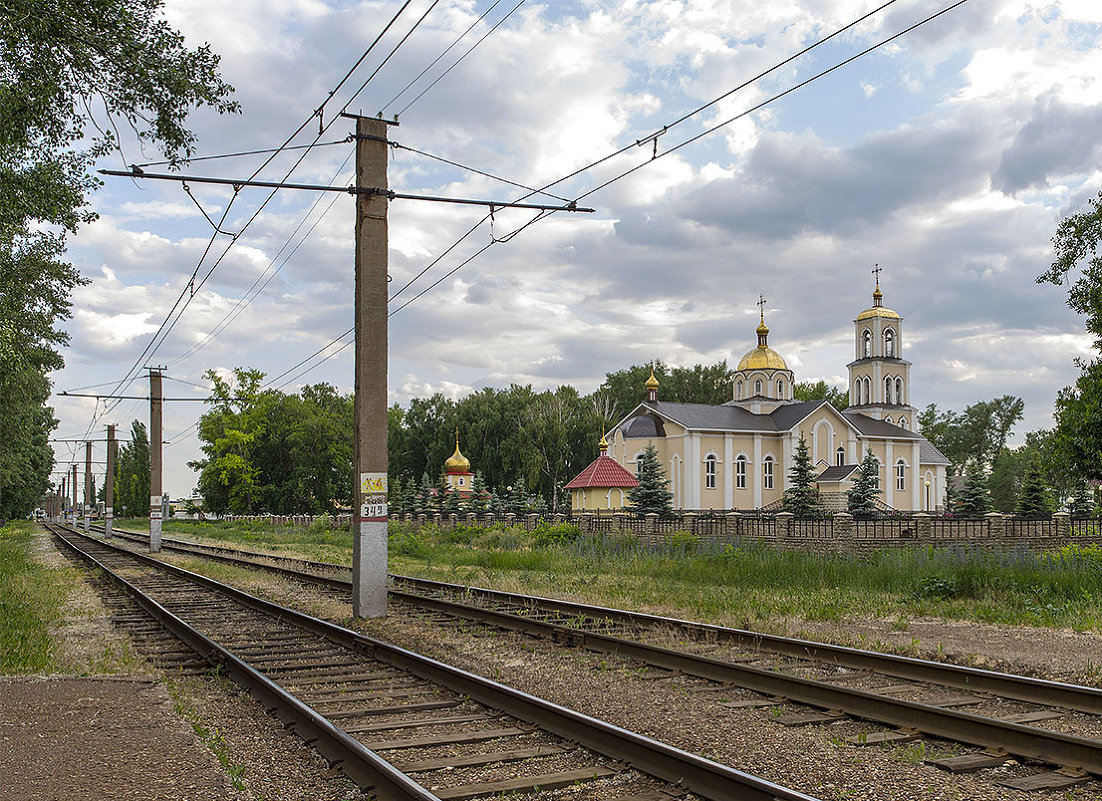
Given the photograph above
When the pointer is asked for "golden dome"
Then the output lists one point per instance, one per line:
(762, 358)
(457, 462)
(652, 382)
(878, 311)
(878, 308)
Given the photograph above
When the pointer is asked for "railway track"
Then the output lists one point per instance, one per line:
(400, 724)
(920, 698)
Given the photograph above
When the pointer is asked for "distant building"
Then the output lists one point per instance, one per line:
(457, 471)
(604, 484)
(737, 455)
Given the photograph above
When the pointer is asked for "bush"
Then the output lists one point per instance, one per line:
(321, 524)
(684, 542)
(408, 543)
(546, 535)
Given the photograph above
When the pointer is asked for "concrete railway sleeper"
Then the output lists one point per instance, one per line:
(494, 739)
(593, 628)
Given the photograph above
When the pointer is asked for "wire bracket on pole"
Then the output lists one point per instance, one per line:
(213, 224)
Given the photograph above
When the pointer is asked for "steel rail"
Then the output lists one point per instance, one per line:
(985, 732)
(360, 764)
(1019, 688)
(696, 774)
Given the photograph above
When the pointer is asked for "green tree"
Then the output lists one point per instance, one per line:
(1034, 500)
(1082, 500)
(974, 500)
(479, 498)
(802, 497)
(861, 497)
(132, 473)
(973, 438)
(624, 389)
(652, 495)
(821, 390)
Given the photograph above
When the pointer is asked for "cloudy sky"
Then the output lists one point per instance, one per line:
(947, 156)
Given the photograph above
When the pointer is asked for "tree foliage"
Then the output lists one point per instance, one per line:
(801, 498)
(974, 500)
(269, 452)
(973, 438)
(70, 76)
(821, 390)
(653, 495)
(697, 384)
(1034, 500)
(132, 474)
(861, 497)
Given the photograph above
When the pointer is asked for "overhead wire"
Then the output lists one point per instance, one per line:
(459, 60)
(442, 54)
(318, 112)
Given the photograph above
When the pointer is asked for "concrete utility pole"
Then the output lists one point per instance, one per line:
(88, 499)
(369, 541)
(73, 487)
(61, 498)
(156, 401)
(109, 484)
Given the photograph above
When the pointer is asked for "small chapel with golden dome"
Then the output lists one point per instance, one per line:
(457, 471)
(737, 455)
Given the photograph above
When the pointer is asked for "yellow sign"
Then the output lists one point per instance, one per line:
(373, 483)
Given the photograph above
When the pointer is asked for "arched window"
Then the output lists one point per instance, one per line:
(780, 389)
(888, 419)
(738, 391)
(767, 473)
(889, 343)
(901, 475)
(889, 385)
(866, 349)
(740, 472)
(899, 391)
(879, 468)
(868, 390)
(638, 459)
(710, 471)
(903, 422)
(856, 400)
(840, 456)
(757, 387)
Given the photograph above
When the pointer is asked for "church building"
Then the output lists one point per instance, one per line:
(737, 455)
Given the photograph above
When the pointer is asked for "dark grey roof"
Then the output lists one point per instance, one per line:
(928, 454)
(872, 427)
(705, 415)
(644, 425)
(787, 416)
(836, 472)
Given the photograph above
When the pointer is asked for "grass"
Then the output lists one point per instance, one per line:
(214, 740)
(740, 583)
(31, 605)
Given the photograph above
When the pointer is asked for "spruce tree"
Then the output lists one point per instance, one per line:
(802, 497)
(479, 498)
(517, 500)
(861, 498)
(451, 502)
(653, 495)
(1034, 500)
(424, 495)
(496, 503)
(1082, 500)
(974, 500)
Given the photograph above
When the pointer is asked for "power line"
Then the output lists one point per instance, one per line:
(459, 60)
(318, 112)
(258, 152)
(654, 136)
(437, 59)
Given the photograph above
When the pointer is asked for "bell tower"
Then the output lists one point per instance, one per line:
(879, 376)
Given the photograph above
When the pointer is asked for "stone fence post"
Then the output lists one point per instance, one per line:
(1063, 525)
(650, 522)
(510, 519)
(784, 526)
(453, 519)
(732, 524)
(845, 533)
(996, 524)
(924, 526)
(688, 522)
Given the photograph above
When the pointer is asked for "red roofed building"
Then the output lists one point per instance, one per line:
(602, 485)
